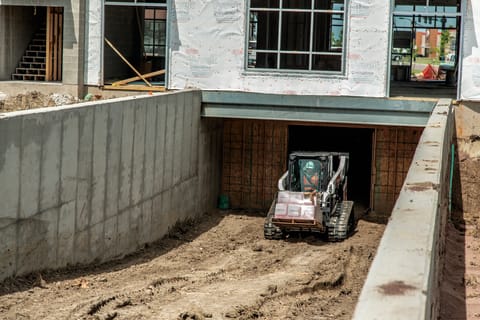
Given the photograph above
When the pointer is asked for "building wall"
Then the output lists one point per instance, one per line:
(394, 150)
(96, 181)
(207, 47)
(255, 157)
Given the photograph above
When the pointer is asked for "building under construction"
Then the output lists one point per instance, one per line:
(276, 71)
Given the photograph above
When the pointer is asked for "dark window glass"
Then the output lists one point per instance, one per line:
(329, 4)
(327, 62)
(328, 30)
(265, 4)
(297, 4)
(294, 61)
(296, 31)
(266, 33)
(290, 41)
(265, 60)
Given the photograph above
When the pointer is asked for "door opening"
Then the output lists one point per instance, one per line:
(356, 141)
(425, 48)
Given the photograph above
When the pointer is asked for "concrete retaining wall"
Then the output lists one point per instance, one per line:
(96, 181)
(404, 277)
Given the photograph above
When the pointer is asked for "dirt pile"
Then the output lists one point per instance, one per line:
(216, 268)
(32, 100)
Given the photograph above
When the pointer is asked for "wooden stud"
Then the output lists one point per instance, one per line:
(60, 46)
(128, 63)
(132, 87)
(147, 75)
(48, 63)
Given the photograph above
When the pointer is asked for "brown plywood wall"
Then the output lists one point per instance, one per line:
(254, 158)
(394, 150)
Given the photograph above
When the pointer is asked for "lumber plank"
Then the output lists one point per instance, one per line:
(128, 63)
(133, 87)
(146, 75)
(48, 62)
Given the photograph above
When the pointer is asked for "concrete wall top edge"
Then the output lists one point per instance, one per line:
(89, 104)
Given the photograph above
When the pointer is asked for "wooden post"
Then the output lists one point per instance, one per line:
(48, 63)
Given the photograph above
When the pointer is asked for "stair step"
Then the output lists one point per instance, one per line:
(35, 53)
(34, 65)
(31, 77)
(37, 47)
(39, 40)
(33, 59)
(30, 71)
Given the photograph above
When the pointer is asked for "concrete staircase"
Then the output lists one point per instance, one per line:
(32, 65)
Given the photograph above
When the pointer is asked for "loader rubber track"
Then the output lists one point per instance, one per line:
(342, 223)
(271, 231)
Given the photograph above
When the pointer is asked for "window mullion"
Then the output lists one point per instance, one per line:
(311, 36)
(279, 33)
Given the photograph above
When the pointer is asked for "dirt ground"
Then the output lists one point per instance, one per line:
(460, 289)
(219, 267)
(34, 99)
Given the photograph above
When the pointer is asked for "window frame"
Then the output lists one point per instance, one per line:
(157, 39)
(309, 71)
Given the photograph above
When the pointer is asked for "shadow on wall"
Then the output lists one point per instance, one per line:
(178, 235)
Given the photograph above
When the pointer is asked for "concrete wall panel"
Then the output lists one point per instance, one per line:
(10, 169)
(50, 163)
(73, 172)
(178, 142)
(99, 164)
(160, 154)
(128, 125)
(84, 171)
(150, 143)
(138, 152)
(113, 161)
(31, 156)
(169, 148)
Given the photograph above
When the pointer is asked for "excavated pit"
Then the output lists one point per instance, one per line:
(218, 267)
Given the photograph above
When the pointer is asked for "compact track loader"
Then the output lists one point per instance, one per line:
(312, 197)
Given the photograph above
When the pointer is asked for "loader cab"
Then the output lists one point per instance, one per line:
(308, 169)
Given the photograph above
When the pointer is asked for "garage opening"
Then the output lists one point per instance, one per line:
(425, 48)
(356, 141)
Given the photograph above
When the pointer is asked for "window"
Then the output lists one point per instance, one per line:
(296, 35)
(136, 1)
(155, 32)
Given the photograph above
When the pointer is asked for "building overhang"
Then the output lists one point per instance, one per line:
(319, 109)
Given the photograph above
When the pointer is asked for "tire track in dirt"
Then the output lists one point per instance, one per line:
(217, 268)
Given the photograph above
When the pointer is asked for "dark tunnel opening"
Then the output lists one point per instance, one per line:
(356, 141)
